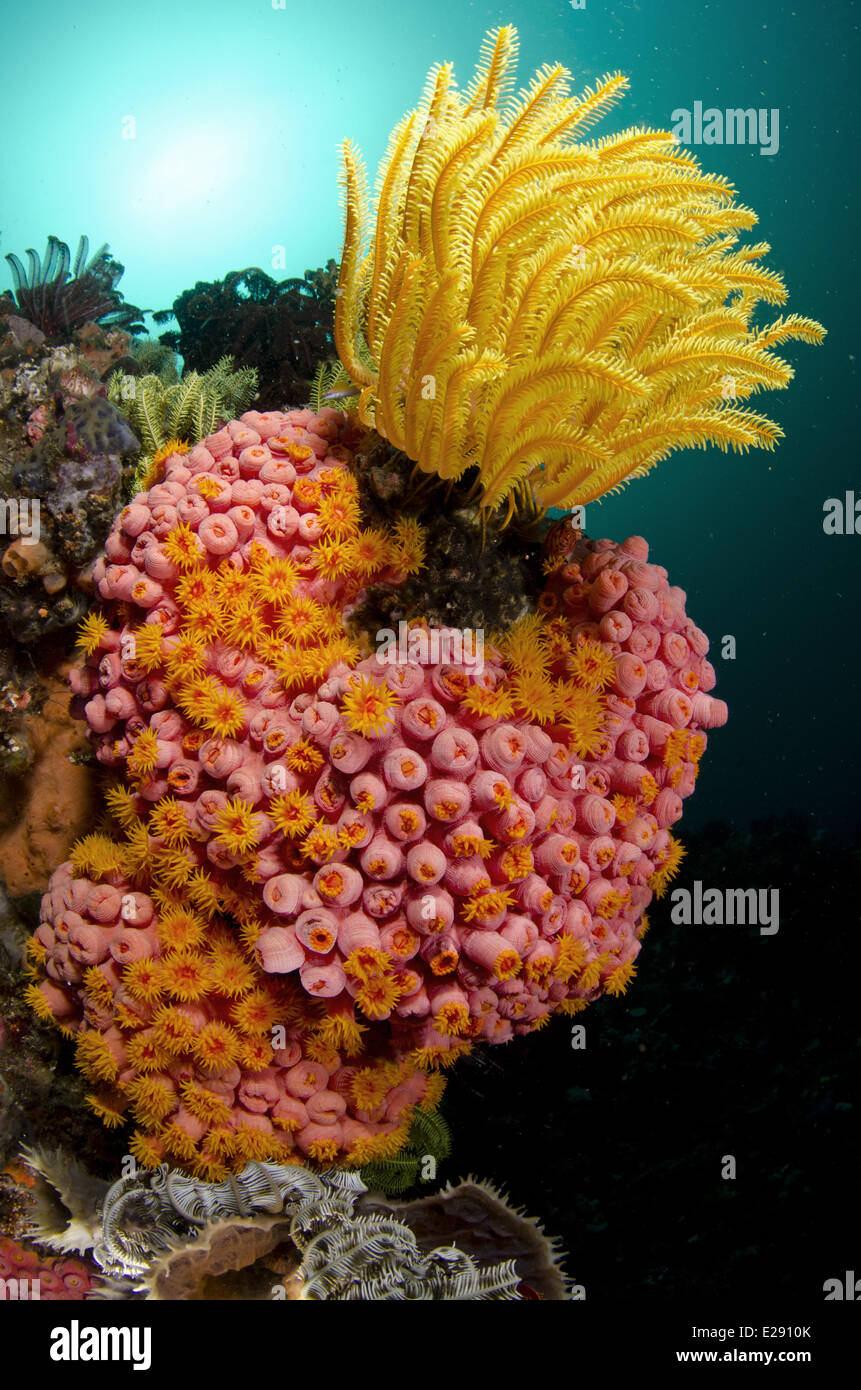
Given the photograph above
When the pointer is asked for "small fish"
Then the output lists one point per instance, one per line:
(341, 395)
(559, 543)
(77, 383)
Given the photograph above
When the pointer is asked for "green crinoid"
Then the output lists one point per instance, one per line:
(188, 410)
(429, 1138)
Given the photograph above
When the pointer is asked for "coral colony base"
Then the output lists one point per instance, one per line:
(330, 871)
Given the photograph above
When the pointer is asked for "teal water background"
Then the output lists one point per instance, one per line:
(237, 110)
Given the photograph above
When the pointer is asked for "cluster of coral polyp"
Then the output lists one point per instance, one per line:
(45, 1278)
(332, 875)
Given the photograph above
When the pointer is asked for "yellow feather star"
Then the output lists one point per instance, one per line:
(560, 313)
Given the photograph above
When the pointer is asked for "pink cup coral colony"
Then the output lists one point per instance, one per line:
(328, 878)
(50, 1280)
(333, 876)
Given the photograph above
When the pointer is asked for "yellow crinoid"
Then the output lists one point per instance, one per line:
(559, 313)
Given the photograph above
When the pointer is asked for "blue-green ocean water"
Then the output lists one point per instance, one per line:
(237, 108)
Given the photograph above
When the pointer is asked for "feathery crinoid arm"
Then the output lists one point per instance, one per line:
(348, 326)
(559, 313)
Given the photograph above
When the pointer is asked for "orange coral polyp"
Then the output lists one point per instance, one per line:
(591, 665)
(321, 844)
(94, 1057)
(148, 1149)
(487, 905)
(215, 1047)
(376, 997)
(179, 929)
(184, 975)
(145, 1052)
(169, 822)
(183, 548)
(367, 706)
(507, 965)
(444, 962)
(255, 1013)
(306, 492)
(204, 1104)
(292, 813)
(368, 552)
(324, 1151)
(339, 515)
(152, 1099)
(302, 756)
(366, 963)
(173, 1031)
(143, 980)
(329, 885)
(143, 757)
